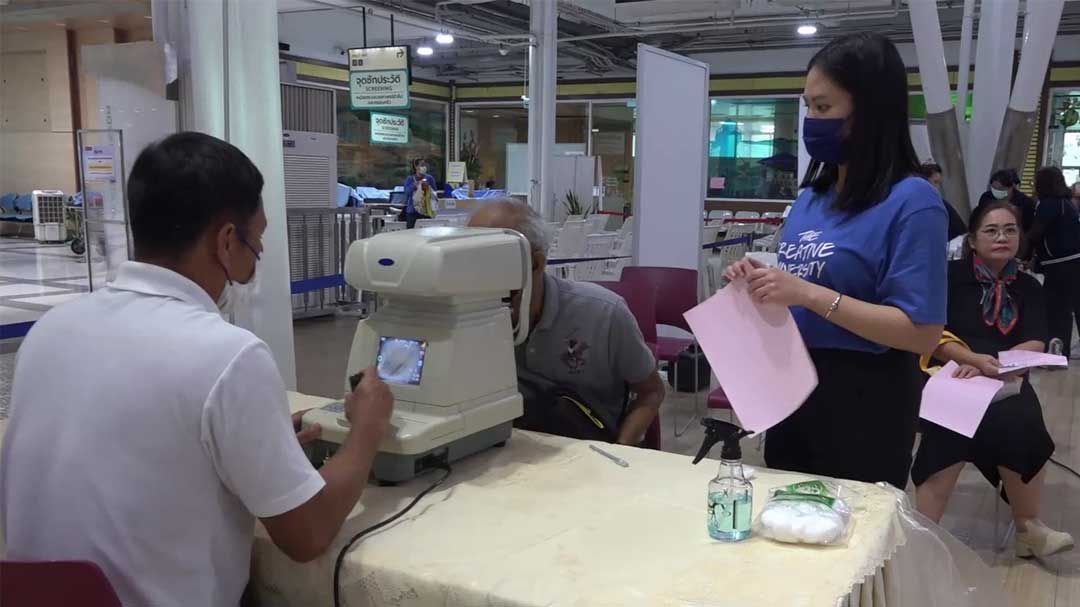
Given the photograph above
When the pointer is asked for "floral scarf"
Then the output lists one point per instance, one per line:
(998, 307)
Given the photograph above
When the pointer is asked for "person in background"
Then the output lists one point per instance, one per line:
(170, 432)
(993, 307)
(1055, 240)
(581, 336)
(931, 171)
(1076, 194)
(419, 188)
(1004, 185)
(862, 265)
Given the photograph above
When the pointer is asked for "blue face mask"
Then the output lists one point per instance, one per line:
(824, 139)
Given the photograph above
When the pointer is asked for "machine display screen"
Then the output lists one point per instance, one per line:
(400, 360)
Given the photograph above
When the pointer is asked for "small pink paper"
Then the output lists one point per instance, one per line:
(957, 404)
(756, 352)
(717, 183)
(1015, 360)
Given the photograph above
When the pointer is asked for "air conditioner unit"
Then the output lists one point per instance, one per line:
(308, 120)
(48, 208)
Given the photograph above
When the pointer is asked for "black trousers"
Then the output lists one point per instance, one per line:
(1061, 288)
(410, 219)
(859, 423)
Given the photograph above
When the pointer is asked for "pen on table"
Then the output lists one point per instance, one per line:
(612, 457)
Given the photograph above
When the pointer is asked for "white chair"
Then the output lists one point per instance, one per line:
(721, 215)
(393, 226)
(747, 215)
(772, 215)
(595, 223)
(627, 226)
(573, 218)
(599, 245)
(571, 240)
(624, 245)
(710, 234)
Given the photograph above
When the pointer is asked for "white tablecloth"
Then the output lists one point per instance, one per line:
(547, 521)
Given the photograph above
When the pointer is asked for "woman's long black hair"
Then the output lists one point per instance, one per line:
(879, 149)
(1050, 183)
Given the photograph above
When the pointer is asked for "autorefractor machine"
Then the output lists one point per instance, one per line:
(441, 338)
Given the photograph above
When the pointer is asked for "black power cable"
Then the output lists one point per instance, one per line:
(345, 549)
(1067, 468)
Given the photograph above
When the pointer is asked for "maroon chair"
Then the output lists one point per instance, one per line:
(642, 304)
(55, 584)
(676, 293)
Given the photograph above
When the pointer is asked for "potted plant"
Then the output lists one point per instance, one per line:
(573, 205)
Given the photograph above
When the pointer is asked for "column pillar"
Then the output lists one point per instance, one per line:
(227, 60)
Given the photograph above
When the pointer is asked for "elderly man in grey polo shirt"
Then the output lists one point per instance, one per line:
(582, 336)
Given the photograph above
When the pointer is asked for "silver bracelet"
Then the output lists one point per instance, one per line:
(833, 306)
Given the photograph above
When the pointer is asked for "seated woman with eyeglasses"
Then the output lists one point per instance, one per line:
(993, 307)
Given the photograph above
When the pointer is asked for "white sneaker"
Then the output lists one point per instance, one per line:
(1039, 540)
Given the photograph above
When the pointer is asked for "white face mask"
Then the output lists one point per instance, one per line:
(999, 194)
(238, 295)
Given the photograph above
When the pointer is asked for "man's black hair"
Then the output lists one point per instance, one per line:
(867, 66)
(1006, 177)
(184, 185)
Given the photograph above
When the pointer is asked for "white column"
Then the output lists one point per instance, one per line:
(228, 67)
(542, 82)
(964, 67)
(931, 53)
(1040, 29)
(993, 57)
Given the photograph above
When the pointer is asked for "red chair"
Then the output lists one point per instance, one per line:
(642, 304)
(55, 584)
(677, 292)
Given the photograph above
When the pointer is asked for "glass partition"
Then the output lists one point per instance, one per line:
(753, 148)
(381, 165)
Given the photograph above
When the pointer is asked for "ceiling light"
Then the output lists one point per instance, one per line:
(105, 21)
(425, 50)
(496, 116)
(444, 38)
(807, 29)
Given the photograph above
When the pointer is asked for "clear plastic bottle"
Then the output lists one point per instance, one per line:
(731, 500)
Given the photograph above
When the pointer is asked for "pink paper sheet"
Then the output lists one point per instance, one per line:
(957, 404)
(1015, 360)
(756, 352)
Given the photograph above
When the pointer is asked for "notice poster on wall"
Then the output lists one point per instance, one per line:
(389, 129)
(99, 163)
(455, 172)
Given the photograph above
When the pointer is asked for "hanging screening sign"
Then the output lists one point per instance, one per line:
(379, 78)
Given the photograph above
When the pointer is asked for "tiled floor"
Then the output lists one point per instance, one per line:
(35, 277)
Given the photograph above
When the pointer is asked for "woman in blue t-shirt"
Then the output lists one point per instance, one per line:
(1056, 240)
(862, 264)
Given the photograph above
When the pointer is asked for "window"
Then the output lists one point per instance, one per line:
(1063, 133)
(571, 122)
(485, 133)
(384, 166)
(753, 148)
(613, 141)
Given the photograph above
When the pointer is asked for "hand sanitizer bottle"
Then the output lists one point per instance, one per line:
(731, 501)
(731, 496)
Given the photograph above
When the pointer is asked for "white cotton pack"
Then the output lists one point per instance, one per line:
(809, 512)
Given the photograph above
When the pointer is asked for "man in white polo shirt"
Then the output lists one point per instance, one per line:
(146, 432)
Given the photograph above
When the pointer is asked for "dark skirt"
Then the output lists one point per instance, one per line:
(860, 421)
(1012, 435)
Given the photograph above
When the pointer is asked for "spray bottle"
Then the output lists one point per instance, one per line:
(731, 496)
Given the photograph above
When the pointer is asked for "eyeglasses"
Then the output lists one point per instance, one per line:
(248, 245)
(1010, 232)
